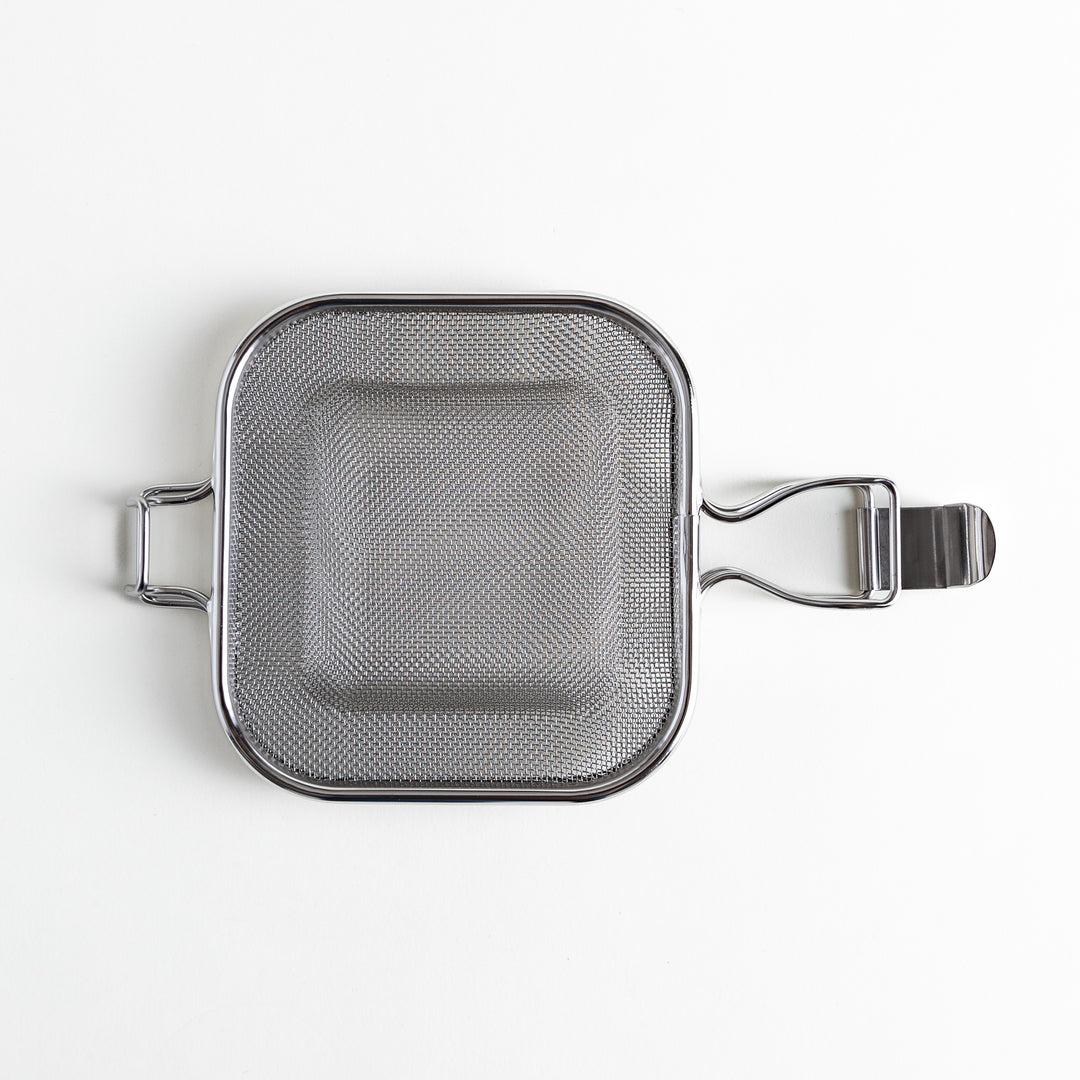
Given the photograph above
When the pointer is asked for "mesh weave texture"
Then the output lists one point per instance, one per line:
(450, 547)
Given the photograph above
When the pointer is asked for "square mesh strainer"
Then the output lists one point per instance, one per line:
(451, 547)
(455, 547)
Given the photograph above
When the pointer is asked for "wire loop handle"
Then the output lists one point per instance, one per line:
(879, 543)
(163, 595)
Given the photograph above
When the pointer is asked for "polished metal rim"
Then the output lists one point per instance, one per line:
(686, 495)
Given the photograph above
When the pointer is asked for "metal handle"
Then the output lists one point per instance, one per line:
(943, 546)
(879, 542)
(946, 546)
(163, 595)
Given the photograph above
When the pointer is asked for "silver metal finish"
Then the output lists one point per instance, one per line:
(945, 546)
(879, 542)
(456, 547)
(163, 595)
(490, 702)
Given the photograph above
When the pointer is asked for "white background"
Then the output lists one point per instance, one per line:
(858, 223)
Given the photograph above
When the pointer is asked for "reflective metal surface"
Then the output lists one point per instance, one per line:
(361, 342)
(879, 542)
(163, 595)
(945, 546)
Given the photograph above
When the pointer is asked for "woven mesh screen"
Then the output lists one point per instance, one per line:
(450, 547)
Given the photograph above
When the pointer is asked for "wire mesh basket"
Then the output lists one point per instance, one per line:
(456, 547)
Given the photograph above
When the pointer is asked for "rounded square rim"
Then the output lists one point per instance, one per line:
(685, 587)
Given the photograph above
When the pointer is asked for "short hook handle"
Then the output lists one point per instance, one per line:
(163, 595)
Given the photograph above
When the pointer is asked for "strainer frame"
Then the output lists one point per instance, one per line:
(686, 590)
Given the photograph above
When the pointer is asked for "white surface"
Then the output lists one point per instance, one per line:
(858, 222)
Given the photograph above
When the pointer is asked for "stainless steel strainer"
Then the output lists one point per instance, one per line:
(456, 547)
